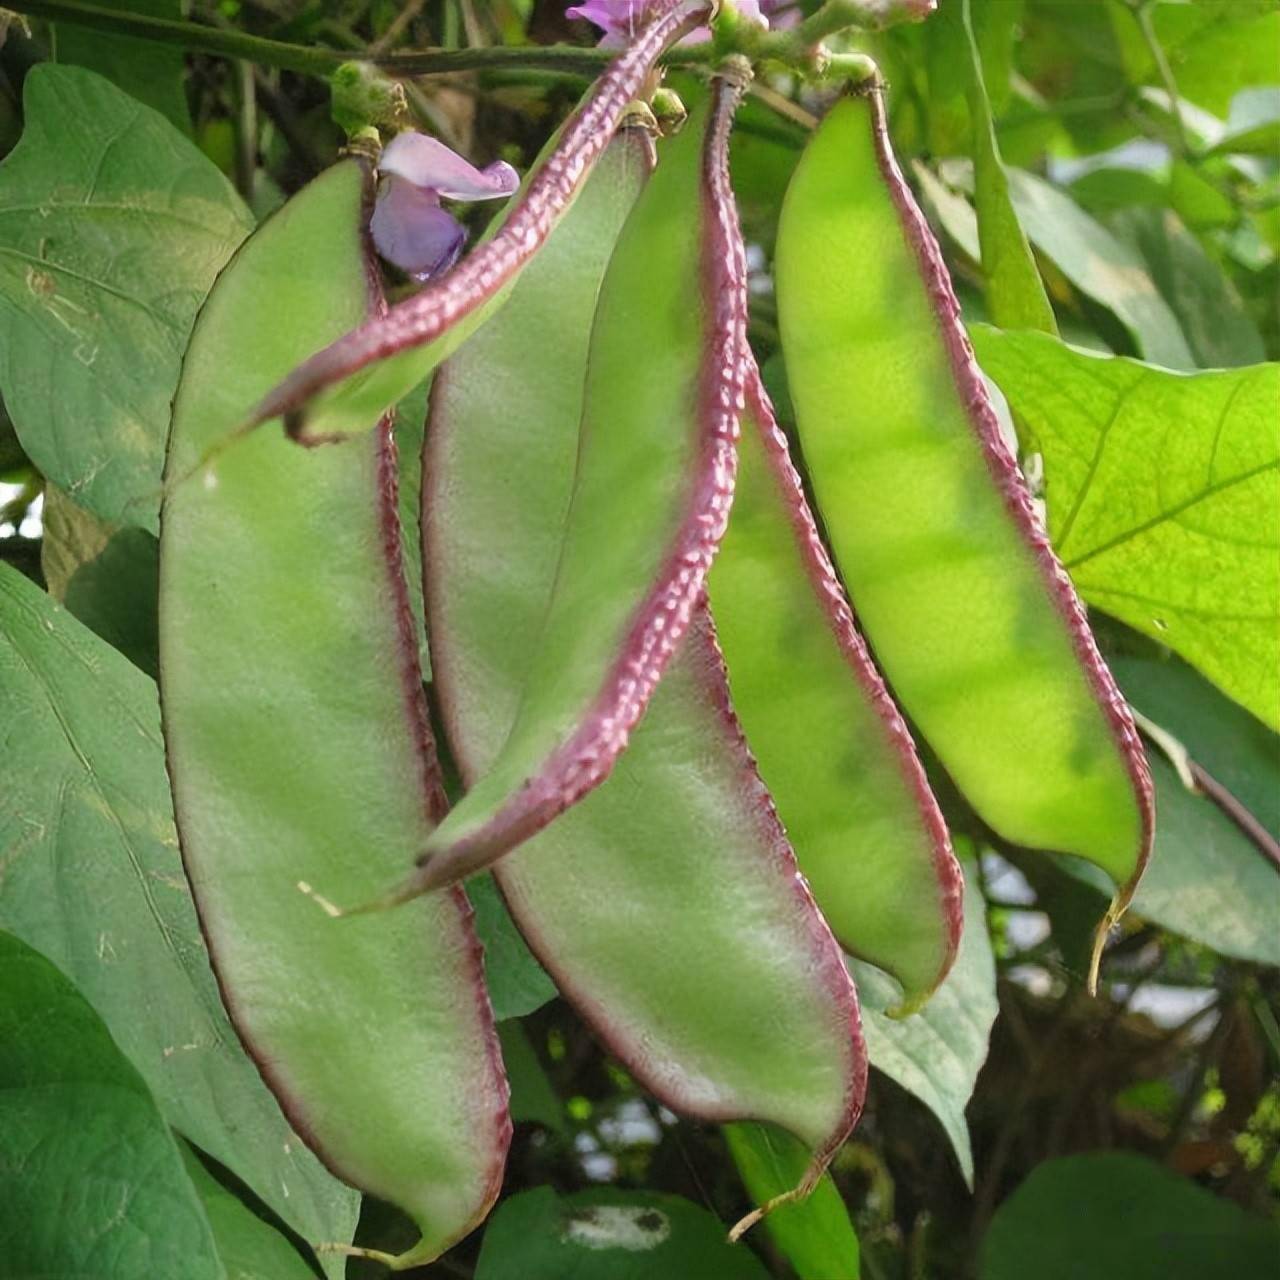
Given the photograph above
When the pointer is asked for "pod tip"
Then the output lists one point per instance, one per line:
(743, 1225)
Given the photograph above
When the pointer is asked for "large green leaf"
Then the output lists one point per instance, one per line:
(150, 72)
(936, 1054)
(112, 228)
(90, 874)
(1161, 494)
(91, 1182)
(1099, 265)
(1119, 1215)
(609, 1235)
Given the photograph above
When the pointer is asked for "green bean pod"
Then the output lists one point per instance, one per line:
(666, 904)
(300, 752)
(970, 615)
(831, 745)
(654, 481)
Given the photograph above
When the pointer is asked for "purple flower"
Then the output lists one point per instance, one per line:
(621, 19)
(409, 226)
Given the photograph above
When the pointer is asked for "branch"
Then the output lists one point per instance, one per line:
(793, 47)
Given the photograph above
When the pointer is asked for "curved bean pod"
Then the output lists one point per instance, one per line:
(281, 588)
(831, 745)
(345, 386)
(656, 460)
(970, 615)
(666, 904)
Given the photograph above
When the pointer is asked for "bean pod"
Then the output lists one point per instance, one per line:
(656, 458)
(666, 904)
(831, 745)
(299, 749)
(970, 615)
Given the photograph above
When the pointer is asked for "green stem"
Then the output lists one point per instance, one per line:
(794, 47)
(1142, 15)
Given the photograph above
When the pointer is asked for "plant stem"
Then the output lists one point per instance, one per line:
(793, 47)
(1142, 15)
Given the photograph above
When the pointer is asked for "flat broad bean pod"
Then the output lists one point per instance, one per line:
(831, 746)
(299, 749)
(970, 615)
(346, 385)
(653, 484)
(639, 899)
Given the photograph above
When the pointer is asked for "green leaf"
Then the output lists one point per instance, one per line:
(1206, 879)
(1210, 311)
(609, 1235)
(107, 576)
(410, 427)
(1114, 1214)
(936, 1054)
(91, 1183)
(1099, 265)
(815, 1233)
(1015, 292)
(248, 1247)
(517, 983)
(1161, 498)
(112, 228)
(1253, 127)
(1230, 743)
(152, 73)
(92, 877)
(533, 1100)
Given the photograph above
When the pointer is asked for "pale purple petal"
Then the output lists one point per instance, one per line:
(413, 232)
(428, 163)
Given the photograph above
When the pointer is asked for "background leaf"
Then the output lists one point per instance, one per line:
(112, 228)
(1206, 880)
(609, 1235)
(814, 1234)
(1209, 308)
(1161, 495)
(152, 73)
(91, 1183)
(1099, 265)
(91, 875)
(108, 576)
(248, 1248)
(936, 1054)
(1085, 1217)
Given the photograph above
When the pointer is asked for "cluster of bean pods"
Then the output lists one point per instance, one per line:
(654, 749)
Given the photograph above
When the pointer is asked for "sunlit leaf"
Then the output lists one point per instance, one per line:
(1161, 493)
